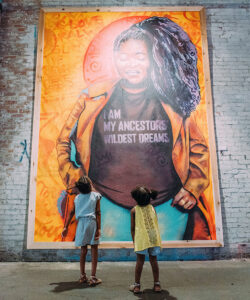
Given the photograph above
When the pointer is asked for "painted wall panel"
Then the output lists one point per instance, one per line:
(79, 110)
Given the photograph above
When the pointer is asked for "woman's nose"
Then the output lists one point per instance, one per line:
(132, 62)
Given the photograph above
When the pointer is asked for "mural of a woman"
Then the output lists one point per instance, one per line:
(143, 131)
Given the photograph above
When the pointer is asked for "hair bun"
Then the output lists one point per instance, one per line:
(153, 194)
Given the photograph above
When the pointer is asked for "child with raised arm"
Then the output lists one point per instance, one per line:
(87, 211)
(145, 234)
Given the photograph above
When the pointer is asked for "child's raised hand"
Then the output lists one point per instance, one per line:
(64, 232)
(97, 234)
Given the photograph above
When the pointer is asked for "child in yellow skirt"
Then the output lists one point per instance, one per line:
(145, 234)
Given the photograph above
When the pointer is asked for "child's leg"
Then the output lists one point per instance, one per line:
(84, 251)
(155, 267)
(155, 270)
(140, 258)
(94, 259)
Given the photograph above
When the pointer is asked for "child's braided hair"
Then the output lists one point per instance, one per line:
(142, 195)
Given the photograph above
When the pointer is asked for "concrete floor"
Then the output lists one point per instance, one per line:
(201, 280)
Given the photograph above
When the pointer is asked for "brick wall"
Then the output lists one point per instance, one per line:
(228, 24)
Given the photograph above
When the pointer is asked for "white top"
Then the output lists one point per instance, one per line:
(85, 204)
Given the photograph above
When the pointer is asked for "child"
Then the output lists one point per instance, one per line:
(87, 211)
(145, 234)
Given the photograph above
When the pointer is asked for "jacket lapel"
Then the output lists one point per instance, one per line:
(175, 120)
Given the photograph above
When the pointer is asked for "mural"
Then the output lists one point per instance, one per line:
(123, 100)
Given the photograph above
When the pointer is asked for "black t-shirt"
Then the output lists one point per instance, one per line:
(132, 145)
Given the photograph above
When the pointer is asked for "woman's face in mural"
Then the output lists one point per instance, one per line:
(132, 61)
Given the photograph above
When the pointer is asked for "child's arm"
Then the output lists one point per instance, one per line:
(132, 224)
(98, 220)
(71, 214)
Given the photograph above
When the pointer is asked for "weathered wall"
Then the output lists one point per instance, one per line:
(228, 24)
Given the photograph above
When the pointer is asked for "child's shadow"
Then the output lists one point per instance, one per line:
(148, 294)
(67, 286)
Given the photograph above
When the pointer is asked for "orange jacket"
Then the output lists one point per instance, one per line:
(190, 153)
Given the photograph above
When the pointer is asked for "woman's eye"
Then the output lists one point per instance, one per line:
(140, 56)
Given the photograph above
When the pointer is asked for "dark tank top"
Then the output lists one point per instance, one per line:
(132, 145)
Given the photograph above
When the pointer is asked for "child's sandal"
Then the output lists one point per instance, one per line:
(135, 288)
(83, 278)
(94, 281)
(157, 287)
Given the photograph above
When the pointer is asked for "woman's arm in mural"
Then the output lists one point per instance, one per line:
(198, 173)
(69, 172)
(65, 229)
(198, 179)
(98, 220)
(132, 224)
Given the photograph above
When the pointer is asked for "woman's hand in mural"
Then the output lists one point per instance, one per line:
(184, 199)
(81, 100)
(78, 108)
